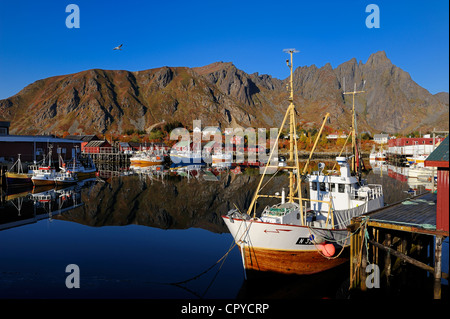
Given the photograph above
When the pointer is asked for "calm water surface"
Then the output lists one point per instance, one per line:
(143, 236)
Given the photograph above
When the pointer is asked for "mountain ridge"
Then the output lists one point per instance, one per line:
(220, 94)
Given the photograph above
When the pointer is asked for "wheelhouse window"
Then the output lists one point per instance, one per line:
(332, 187)
(341, 188)
(314, 186)
(322, 187)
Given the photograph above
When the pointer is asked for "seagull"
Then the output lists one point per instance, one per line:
(118, 48)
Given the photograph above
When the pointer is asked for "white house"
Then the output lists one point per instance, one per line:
(381, 138)
(335, 136)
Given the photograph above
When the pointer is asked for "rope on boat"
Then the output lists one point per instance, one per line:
(320, 251)
(341, 241)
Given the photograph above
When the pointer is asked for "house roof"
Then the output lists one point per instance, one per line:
(96, 143)
(440, 156)
(380, 135)
(152, 144)
(36, 138)
(84, 138)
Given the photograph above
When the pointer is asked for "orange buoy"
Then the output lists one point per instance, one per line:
(327, 250)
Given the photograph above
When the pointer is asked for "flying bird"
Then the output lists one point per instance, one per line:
(118, 48)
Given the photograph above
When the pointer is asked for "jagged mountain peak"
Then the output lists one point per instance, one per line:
(213, 67)
(378, 58)
(97, 101)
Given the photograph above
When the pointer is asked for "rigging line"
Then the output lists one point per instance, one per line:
(189, 290)
(278, 170)
(215, 276)
(211, 267)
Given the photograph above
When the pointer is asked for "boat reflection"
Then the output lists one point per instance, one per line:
(180, 198)
(419, 179)
(189, 199)
(24, 206)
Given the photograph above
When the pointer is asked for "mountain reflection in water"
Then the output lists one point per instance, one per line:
(171, 231)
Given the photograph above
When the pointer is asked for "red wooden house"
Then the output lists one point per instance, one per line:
(96, 147)
(440, 158)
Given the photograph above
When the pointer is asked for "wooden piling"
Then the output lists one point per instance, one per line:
(437, 267)
(387, 260)
(363, 261)
(409, 230)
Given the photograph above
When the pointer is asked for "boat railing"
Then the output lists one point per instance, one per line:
(43, 197)
(370, 192)
(330, 213)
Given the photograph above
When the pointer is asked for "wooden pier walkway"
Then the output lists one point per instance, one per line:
(404, 232)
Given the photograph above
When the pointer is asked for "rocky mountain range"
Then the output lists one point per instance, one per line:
(219, 94)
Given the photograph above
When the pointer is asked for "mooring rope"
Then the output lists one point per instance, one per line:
(179, 283)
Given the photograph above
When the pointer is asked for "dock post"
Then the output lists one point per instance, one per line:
(354, 255)
(437, 267)
(364, 254)
(387, 261)
(403, 263)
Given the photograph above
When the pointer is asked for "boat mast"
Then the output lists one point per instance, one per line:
(355, 159)
(291, 110)
(293, 162)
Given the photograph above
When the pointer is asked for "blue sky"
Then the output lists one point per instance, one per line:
(35, 42)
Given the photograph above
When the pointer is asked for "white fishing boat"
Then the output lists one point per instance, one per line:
(66, 175)
(302, 235)
(378, 156)
(45, 174)
(186, 157)
(146, 158)
(82, 171)
(417, 160)
(221, 160)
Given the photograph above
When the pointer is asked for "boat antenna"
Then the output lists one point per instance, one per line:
(355, 160)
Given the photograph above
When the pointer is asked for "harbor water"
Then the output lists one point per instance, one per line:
(149, 234)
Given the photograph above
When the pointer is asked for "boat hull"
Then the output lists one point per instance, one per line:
(65, 182)
(13, 179)
(145, 163)
(43, 182)
(289, 262)
(287, 249)
(85, 175)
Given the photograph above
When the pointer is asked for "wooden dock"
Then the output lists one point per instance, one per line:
(108, 155)
(393, 236)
